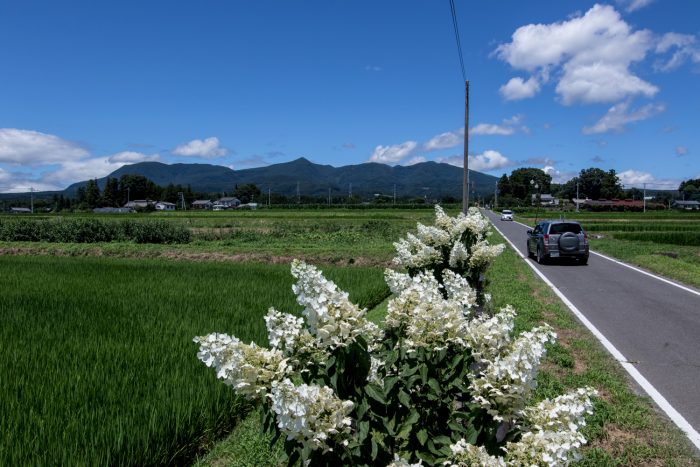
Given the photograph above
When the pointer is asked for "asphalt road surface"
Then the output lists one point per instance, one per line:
(655, 325)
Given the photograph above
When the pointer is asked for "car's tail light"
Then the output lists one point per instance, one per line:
(546, 238)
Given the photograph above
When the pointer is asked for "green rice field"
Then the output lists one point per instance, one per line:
(97, 363)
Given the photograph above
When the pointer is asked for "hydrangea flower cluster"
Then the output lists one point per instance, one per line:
(348, 364)
(331, 317)
(311, 415)
(505, 385)
(250, 369)
(448, 242)
(553, 438)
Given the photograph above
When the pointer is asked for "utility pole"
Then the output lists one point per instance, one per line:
(495, 195)
(298, 194)
(350, 191)
(577, 200)
(268, 197)
(329, 196)
(394, 193)
(645, 197)
(465, 181)
(31, 190)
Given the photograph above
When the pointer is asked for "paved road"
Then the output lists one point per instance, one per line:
(653, 324)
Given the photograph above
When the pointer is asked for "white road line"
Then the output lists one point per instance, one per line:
(634, 268)
(656, 396)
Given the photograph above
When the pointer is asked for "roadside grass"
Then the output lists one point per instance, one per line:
(97, 362)
(625, 428)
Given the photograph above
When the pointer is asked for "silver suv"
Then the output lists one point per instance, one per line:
(558, 239)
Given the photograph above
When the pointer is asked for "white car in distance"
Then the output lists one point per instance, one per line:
(506, 215)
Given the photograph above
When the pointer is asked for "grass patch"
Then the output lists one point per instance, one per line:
(97, 361)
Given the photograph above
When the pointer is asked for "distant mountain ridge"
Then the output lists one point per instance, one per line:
(426, 179)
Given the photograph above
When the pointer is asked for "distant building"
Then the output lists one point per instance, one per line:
(112, 210)
(228, 202)
(139, 204)
(546, 200)
(688, 205)
(202, 204)
(20, 210)
(164, 206)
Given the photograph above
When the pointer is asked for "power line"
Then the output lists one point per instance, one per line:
(457, 38)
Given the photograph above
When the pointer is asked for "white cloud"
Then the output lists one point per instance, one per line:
(635, 178)
(619, 115)
(208, 148)
(132, 157)
(601, 82)
(415, 160)
(450, 139)
(393, 154)
(593, 52)
(633, 5)
(684, 46)
(445, 140)
(681, 150)
(487, 161)
(557, 175)
(33, 148)
(96, 167)
(517, 88)
(491, 129)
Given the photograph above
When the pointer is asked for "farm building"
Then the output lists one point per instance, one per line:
(546, 199)
(228, 202)
(687, 205)
(20, 210)
(164, 206)
(202, 204)
(139, 204)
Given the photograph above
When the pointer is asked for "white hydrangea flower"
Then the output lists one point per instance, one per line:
(482, 253)
(549, 448)
(401, 462)
(458, 255)
(474, 223)
(396, 281)
(283, 330)
(311, 415)
(459, 290)
(413, 253)
(468, 455)
(565, 412)
(430, 320)
(432, 235)
(504, 386)
(489, 336)
(331, 317)
(442, 220)
(250, 369)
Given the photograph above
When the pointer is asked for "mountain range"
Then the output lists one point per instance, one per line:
(425, 179)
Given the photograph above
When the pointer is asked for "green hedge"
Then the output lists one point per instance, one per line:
(92, 231)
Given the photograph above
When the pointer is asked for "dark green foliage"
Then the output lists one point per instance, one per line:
(520, 185)
(87, 230)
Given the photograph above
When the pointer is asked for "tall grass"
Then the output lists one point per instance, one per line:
(97, 364)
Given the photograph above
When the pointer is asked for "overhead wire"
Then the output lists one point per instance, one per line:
(455, 26)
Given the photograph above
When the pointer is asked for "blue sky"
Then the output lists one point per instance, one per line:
(87, 87)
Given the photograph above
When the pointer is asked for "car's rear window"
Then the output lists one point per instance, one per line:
(563, 228)
(506, 211)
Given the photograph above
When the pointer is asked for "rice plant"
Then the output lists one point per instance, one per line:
(97, 363)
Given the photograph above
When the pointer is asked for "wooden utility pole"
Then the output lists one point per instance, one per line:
(465, 181)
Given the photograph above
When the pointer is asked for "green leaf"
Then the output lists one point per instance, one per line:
(434, 385)
(424, 373)
(405, 399)
(443, 440)
(422, 436)
(363, 430)
(373, 392)
(389, 384)
(362, 408)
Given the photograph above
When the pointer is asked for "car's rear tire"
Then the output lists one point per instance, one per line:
(540, 258)
(529, 253)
